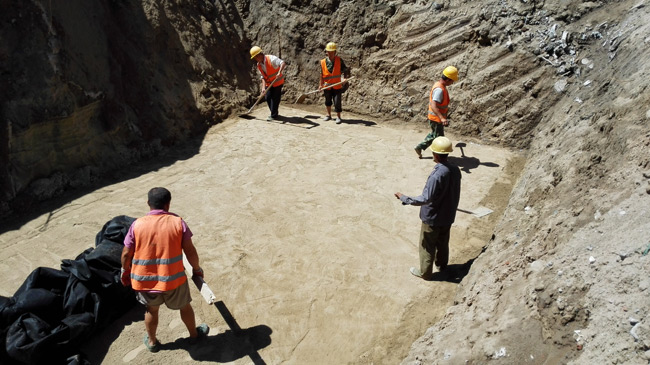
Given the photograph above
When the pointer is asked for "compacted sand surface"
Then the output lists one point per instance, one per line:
(300, 237)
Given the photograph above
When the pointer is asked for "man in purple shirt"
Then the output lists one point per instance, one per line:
(158, 242)
(438, 203)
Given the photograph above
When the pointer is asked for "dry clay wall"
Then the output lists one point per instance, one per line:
(565, 276)
(91, 87)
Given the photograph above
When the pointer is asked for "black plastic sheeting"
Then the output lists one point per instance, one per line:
(55, 311)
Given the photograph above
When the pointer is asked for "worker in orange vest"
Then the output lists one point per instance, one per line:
(438, 107)
(271, 68)
(152, 264)
(332, 68)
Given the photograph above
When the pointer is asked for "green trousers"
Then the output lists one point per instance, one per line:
(437, 130)
(434, 246)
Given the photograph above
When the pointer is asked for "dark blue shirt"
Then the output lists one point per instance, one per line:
(439, 199)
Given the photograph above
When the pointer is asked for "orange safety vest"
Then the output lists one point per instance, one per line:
(158, 258)
(271, 73)
(442, 107)
(331, 77)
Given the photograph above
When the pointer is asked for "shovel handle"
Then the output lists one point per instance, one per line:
(329, 86)
(325, 88)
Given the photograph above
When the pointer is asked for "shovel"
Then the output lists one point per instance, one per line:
(302, 97)
(203, 287)
(258, 100)
(254, 105)
(478, 212)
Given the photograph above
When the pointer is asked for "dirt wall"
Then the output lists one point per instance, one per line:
(91, 87)
(95, 86)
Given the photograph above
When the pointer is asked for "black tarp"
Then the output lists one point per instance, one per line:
(54, 311)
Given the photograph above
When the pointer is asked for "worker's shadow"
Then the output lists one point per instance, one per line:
(467, 163)
(367, 123)
(454, 273)
(227, 346)
(296, 122)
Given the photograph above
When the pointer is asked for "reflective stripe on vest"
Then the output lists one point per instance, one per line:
(333, 77)
(158, 258)
(442, 107)
(272, 72)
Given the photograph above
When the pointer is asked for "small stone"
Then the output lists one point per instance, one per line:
(633, 321)
(592, 259)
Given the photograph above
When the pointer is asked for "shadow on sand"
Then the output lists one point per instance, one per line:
(467, 163)
(96, 348)
(296, 122)
(367, 123)
(454, 273)
(227, 346)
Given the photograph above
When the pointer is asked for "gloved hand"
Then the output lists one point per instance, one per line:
(198, 272)
(125, 277)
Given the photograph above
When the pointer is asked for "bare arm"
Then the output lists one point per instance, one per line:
(191, 254)
(262, 88)
(127, 257)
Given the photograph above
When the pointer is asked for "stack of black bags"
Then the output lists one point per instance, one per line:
(55, 311)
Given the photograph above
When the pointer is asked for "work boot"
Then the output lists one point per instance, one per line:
(416, 272)
(419, 152)
(202, 332)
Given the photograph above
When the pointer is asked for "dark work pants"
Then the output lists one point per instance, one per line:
(437, 130)
(273, 96)
(434, 245)
(336, 95)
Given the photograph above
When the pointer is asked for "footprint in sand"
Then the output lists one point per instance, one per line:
(132, 354)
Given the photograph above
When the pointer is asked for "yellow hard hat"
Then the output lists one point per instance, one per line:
(331, 46)
(451, 72)
(255, 51)
(441, 145)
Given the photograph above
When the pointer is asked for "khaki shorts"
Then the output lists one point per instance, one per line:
(173, 299)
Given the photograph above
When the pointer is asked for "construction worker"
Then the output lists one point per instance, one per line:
(438, 203)
(272, 70)
(332, 68)
(152, 264)
(438, 106)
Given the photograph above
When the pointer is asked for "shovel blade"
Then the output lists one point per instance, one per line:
(300, 99)
(481, 212)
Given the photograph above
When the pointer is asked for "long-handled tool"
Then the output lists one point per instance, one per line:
(254, 105)
(302, 97)
(478, 212)
(258, 99)
(203, 287)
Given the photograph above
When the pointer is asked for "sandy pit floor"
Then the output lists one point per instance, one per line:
(300, 237)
